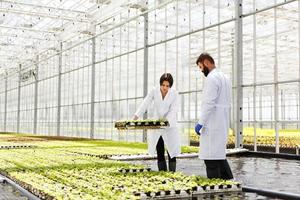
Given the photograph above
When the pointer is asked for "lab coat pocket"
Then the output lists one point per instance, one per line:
(216, 122)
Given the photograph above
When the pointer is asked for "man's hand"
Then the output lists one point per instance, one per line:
(135, 117)
(198, 128)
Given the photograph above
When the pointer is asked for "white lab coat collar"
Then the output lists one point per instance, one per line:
(167, 95)
(212, 71)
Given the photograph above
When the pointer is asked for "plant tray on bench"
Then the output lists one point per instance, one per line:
(141, 124)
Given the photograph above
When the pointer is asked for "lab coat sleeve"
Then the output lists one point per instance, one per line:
(172, 113)
(145, 104)
(210, 95)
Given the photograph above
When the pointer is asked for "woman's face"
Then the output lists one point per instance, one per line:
(164, 88)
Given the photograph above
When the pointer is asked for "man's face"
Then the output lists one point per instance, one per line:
(204, 69)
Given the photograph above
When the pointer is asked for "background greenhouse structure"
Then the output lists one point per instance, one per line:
(74, 68)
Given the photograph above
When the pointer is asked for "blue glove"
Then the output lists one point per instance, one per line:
(198, 128)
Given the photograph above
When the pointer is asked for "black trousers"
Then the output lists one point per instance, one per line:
(160, 148)
(218, 169)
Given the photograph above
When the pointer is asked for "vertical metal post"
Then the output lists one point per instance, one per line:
(297, 106)
(232, 110)
(189, 74)
(127, 74)
(136, 74)
(19, 99)
(145, 91)
(5, 103)
(177, 47)
(105, 89)
(120, 83)
(299, 62)
(254, 77)
(248, 113)
(238, 77)
(183, 102)
(112, 85)
(203, 25)
(260, 108)
(196, 102)
(272, 111)
(59, 88)
(282, 107)
(92, 120)
(276, 82)
(177, 50)
(36, 95)
(254, 119)
(165, 44)
(219, 37)
(154, 37)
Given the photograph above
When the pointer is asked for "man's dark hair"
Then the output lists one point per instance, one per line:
(204, 56)
(166, 77)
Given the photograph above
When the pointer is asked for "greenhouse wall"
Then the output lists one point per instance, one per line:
(83, 87)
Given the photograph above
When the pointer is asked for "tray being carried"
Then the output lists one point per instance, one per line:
(141, 124)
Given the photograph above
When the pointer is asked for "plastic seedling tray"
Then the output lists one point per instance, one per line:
(141, 124)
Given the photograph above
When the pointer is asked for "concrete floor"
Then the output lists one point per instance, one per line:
(8, 192)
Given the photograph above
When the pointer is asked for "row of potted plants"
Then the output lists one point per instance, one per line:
(62, 170)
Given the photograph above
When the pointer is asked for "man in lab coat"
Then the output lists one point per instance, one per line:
(213, 125)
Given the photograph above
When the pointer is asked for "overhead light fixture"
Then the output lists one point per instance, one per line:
(29, 47)
(86, 32)
(52, 49)
(5, 44)
(100, 1)
(139, 5)
(26, 25)
(57, 29)
(135, 5)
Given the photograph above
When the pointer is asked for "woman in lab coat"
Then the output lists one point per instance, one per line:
(165, 106)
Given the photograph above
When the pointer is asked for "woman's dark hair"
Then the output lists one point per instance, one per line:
(166, 77)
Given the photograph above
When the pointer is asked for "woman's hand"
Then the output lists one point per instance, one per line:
(135, 117)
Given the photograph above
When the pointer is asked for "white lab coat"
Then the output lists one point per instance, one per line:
(163, 108)
(215, 113)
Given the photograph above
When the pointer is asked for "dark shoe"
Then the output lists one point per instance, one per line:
(172, 166)
(162, 165)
